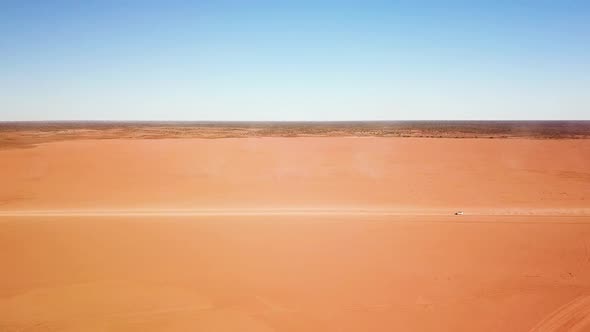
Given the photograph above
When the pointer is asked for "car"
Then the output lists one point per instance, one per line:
(459, 213)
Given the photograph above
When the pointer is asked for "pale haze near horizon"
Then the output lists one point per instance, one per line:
(265, 61)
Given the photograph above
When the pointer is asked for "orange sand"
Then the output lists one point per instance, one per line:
(392, 173)
(347, 234)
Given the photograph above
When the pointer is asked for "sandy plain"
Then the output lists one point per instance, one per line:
(295, 234)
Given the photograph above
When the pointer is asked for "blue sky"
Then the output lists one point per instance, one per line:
(296, 60)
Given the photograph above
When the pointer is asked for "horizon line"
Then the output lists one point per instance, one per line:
(292, 121)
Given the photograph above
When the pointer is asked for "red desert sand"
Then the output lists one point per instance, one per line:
(296, 234)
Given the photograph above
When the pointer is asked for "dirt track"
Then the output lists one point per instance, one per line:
(293, 212)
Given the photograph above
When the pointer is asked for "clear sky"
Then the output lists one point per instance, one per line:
(294, 60)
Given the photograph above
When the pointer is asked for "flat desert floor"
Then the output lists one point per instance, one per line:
(295, 234)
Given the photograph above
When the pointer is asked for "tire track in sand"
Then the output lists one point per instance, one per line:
(284, 211)
(573, 316)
